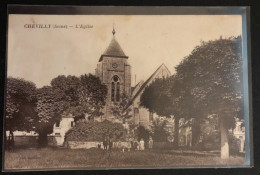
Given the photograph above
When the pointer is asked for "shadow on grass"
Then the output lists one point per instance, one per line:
(97, 151)
(18, 148)
(180, 152)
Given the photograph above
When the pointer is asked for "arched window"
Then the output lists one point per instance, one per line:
(115, 89)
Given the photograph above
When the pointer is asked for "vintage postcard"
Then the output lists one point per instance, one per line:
(127, 87)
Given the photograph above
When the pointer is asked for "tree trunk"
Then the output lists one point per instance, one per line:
(42, 140)
(176, 133)
(224, 141)
(195, 133)
(11, 140)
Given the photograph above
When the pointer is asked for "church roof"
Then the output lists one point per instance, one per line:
(136, 87)
(143, 86)
(113, 50)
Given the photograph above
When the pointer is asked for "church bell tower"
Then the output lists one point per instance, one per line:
(115, 72)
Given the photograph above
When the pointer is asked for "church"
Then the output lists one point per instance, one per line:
(114, 71)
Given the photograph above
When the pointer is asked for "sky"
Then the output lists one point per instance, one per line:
(41, 54)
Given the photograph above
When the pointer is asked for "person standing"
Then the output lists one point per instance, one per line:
(150, 143)
(142, 144)
(105, 143)
(110, 144)
(135, 145)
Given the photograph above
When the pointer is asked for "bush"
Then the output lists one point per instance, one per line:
(209, 143)
(234, 144)
(160, 133)
(96, 131)
(143, 133)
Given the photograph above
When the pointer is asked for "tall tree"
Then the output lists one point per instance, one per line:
(209, 81)
(20, 103)
(85, 94)
(159, 98)
(212, 79)
(50, 105)
(92, 95)
(67, 85)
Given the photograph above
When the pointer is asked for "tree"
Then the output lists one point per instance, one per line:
(20, 103)
(92, 95)
(211, 77)
(143, 133)
(68, 95)
(120, 109)
(67, 85)
(209, 81)
(85, 94)
(50, 105)
(158, 97)
(159, 132)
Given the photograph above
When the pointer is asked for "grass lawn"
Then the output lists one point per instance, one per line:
(62, 158)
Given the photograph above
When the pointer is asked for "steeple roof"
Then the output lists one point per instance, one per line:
(113, 49)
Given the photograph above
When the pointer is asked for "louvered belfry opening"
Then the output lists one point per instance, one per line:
(115, 89)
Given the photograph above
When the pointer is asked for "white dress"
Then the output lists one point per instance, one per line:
(141, 145)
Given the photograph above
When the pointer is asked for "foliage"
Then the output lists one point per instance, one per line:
(120, 109)
(212, 79)
(96, 131)
(143, 133)
(20, 99)
(28, 108)
(208, 81)
(159, 131)
(234, 144)
(92, 95)
(50, 104)
(85, 94)
(209, 126)
(67, 85)
(158, 97)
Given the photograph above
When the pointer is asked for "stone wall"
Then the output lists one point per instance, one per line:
(25, 140)
(88, 145)
(33, 141)
(162, 145)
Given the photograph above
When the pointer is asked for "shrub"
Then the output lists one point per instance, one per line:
(160, 134)
(96, 131)
(234, 144)
(142, 133)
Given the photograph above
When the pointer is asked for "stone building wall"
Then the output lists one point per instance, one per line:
(106, 70)
(59, 130)
(239, 133)
(141, 115)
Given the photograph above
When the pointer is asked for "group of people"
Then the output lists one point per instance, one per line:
(135, 145)
(107, 144)
(140, 145)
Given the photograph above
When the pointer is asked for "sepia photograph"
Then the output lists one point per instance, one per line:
(121, 91)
